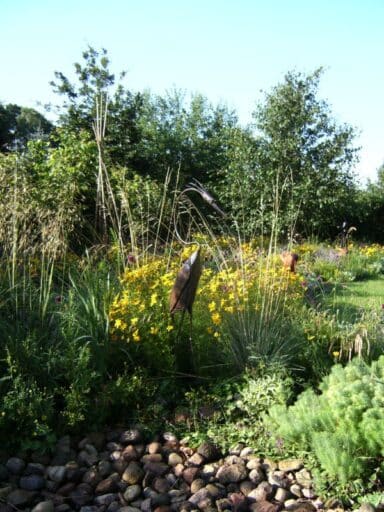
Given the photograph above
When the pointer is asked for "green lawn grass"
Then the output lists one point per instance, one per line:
(352, 299)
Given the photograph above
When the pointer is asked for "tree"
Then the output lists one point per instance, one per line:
(305, 156)
(146, 133)
(18, 125)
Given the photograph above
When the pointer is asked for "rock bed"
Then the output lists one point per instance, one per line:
(118, 471)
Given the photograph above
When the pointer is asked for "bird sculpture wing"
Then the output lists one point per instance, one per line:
(185, 286)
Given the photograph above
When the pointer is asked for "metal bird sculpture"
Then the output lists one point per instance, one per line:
(184, 289)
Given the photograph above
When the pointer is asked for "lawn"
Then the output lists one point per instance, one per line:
(356, 297)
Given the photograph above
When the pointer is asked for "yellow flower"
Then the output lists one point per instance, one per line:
(118, 323)
(336, 353)
(154, 330)
(212, 306)
(134, 320)
(216, 334)
(216, 318)
(170, 328)
(153, 299)
(229, 309)
(136, 336)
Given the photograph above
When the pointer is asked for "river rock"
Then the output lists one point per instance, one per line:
(32, 482)
(44, 506)
(15, 465)
(133, 474)
(20, 498)
(231, 474)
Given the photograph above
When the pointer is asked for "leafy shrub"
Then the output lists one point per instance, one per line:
(343, 425)
(236, 408)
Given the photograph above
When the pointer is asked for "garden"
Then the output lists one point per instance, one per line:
(141, 297)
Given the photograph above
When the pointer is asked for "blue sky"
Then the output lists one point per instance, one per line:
(228, 50)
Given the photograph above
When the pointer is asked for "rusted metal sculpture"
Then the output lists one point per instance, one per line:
(184, 290)
(289, 260)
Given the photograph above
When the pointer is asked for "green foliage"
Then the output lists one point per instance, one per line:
(231, 411)
(18, 125)
(305, 155)
(343, 425)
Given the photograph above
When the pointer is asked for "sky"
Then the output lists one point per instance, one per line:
(231, 51)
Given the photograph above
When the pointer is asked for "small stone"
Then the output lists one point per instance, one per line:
(15, 465)
(152, 457)
(32, 482)
(262, 492)
(131, 436)
(278, 478)
(114, 506)
(216, 491)
(63, 508)
(256, 476)
(161, 485)
(208, 471)
(105, 499)
(290, 504)
(310, 494)
(195, 460)
(168, 436)
(366, 507)
(81, 495)
(295, 489)
(245, 452)
(129, 453)
(223, 504)
(231, 474)
(104, 468)
(44, 506)
(197, 484)
(56, 473)
(209, 451)
(290, 465)
(4, 491)
(89, 508)
(190, 474)
(120, 465)
(157, 468)
(73, 472)
(129, 509)
(34, 468)
(66, 489)
(281, 494)
(154, 447)
(239, 501)
(88, 458)
(246, 487)
(199, 496)
(133, 474)
(20, 498)
(174, 459)
(269, 465)
(303, 478)
(107, 485)
(146, 505)
(132, 492)
(264, 506)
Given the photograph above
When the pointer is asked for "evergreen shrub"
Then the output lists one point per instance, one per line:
(342, 425)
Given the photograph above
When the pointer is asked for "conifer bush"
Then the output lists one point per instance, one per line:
(342, 425)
